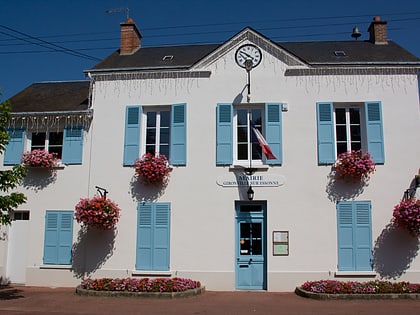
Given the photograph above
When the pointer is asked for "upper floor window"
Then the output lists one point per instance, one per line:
(155, 129)
(51, 142)
(344, 127)
(247, 146)
(236, 144)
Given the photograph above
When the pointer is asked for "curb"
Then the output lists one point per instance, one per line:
(154, 295)
(385, 296)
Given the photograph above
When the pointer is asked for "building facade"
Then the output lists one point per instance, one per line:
(198, 105)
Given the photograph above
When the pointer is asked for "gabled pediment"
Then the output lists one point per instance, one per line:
(252, 36)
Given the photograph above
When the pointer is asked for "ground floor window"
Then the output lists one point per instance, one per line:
(58, 237)
(153, 236)
(354, 236)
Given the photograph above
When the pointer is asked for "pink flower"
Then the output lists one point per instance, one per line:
(39, 158)
(152, 169)
(97, 212)
(355, 165)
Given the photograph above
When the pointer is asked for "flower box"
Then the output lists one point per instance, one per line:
(354, 165)
(153, 169)
(97, 212)
(40, 158)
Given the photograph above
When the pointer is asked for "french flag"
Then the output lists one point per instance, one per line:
(264, 145)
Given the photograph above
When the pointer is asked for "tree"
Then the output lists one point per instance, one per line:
(9, 179)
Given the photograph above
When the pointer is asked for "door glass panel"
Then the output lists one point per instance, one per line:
(250, 238)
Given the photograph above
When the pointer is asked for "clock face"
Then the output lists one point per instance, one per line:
(248, 52)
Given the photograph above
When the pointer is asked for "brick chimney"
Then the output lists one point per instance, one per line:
(377, 31)
(130, 38)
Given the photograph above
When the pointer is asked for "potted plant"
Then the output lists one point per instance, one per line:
(39, 158)
(98, 212)
(407, 215)
(354, 165)
(153, 169)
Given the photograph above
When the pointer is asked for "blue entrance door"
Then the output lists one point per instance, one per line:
(251, 267)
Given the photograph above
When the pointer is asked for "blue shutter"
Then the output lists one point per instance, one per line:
(72, 145)
(178, 155)
(354, 236)
(374, 131)
(144, 237)
(58, 238)
(153, 236)
(14, 149)
(326, 141)
(132, 135)
(224, 134)
(363, 240)
(273, 131)
(161, 237)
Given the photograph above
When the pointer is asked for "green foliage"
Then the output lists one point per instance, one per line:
(9, 179)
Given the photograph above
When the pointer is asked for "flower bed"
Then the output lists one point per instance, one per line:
(97, 212)
(407, 215)
(153, 169)
(324, 289)
(354, 165)
(39, 158)
(156, 287)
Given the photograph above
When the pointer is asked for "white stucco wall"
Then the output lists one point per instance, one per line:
(202, 212)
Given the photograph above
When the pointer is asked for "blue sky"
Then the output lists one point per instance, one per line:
(55, 40)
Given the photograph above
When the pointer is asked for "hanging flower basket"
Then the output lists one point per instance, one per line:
(39, 158)
(153, 169)
(407, 215)
(354, 165)
(97, 212)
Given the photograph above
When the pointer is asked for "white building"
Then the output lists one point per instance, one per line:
(311, 100)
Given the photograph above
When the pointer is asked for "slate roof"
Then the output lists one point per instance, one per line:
(52, 97)
(312, 53)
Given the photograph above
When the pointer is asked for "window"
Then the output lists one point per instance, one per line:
(20, 215)
(67, 144)
(349, 126)
(153, 233)
(51, 142)
(354, 236)
(155, 129)
(157, 133)
(58, 237)
(246, 144)
(235, 143)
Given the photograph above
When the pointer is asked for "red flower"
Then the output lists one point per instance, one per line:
(153, 169)
(97, 212)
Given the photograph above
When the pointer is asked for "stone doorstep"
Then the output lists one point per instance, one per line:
(385, 296)
(155, 295)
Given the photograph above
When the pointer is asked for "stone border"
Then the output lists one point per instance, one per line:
(155, 295)
(385, 296)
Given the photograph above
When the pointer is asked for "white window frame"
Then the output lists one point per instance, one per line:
(363, 135)
(143, 130)
(47, 140)
(246, 163)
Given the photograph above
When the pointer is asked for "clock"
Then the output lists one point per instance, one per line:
(248, 52)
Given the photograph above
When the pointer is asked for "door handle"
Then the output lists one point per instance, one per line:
(250, 260)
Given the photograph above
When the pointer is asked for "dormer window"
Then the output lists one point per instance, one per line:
(168, 58)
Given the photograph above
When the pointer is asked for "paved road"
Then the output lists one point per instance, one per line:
(46, 301)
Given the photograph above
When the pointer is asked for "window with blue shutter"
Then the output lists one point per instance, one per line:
(354, 236)
(58, 237)
(72, 145)
(14, 149)
(344, 127)
(178, 152)
(153, 236)
(273, 131)
(224, 134)
(326, 141)
(374, 131)
(132, 135)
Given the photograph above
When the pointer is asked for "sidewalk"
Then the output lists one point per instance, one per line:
(45, 301)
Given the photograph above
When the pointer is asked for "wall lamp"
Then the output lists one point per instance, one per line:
(250, 193)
